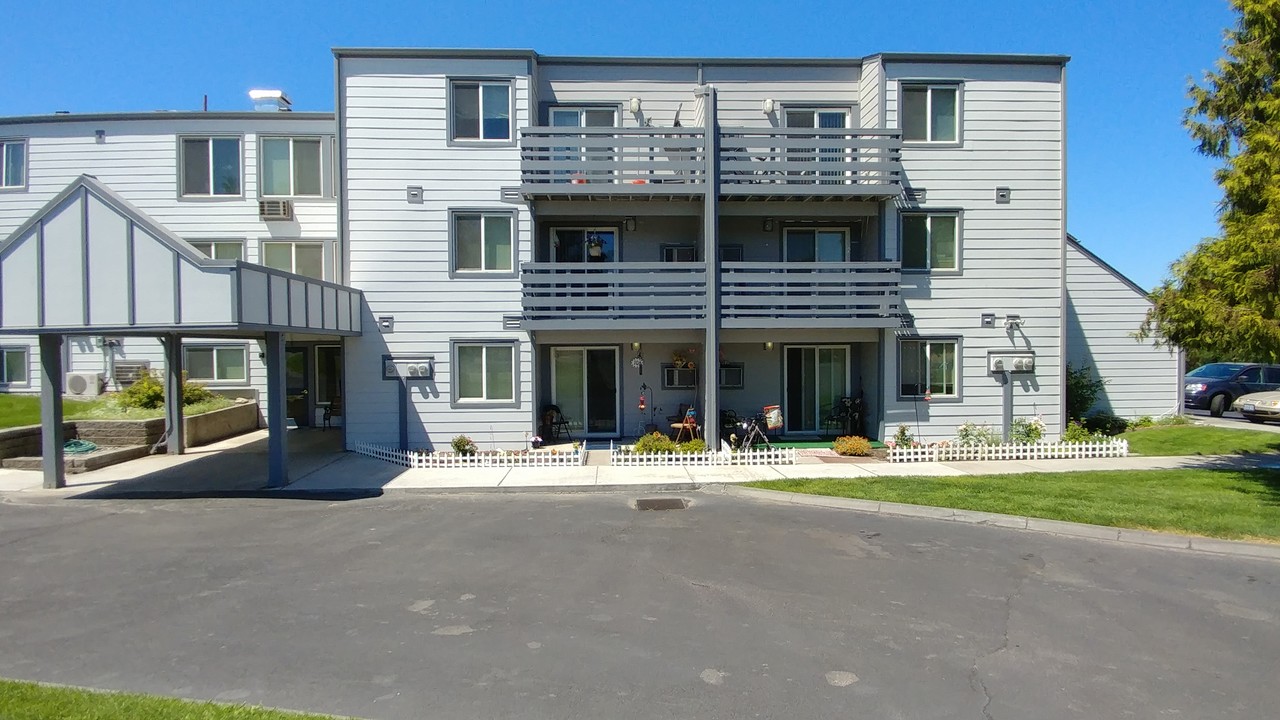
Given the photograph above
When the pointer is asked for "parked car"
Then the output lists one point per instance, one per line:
(1214, 387)
(1258, 407)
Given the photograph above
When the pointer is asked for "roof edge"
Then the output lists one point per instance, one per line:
(975, 58)
(1074, 242)
(166, 115)
(524, 54)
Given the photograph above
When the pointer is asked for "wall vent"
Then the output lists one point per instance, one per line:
(128, 372)
(510, 322)
(275, 210)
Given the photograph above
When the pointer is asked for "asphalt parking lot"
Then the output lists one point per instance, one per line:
(578, 606)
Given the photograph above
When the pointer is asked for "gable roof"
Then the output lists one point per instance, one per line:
(1075, 243)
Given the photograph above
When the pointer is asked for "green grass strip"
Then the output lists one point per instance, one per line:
(1200, 440)
(1227, 503)
(31, 701)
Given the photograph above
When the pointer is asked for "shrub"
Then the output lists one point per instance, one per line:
(1104, 423)
(904, 438)
(148, 393)
(852, 445)
(1083, 390)
(1078, 433)
(1144, 421)
(464, 445)
(655, 443)
(1026, 430)
(1174, 420)
(971, 435)
(696, 445)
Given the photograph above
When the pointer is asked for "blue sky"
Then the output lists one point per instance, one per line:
(1138, 193)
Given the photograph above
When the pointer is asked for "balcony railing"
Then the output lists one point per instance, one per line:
(808, 161)
(594, 161)
(599, 296)
(809, 294)
(766, 161)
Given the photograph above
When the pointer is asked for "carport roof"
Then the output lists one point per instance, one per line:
(90, 262)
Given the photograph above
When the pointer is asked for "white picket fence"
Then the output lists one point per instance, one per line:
(422, 459)
(1012, 451)
(623, 457)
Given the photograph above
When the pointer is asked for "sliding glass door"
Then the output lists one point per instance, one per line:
(816, 377)
(584, 384)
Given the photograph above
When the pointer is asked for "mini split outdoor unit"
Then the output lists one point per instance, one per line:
(84, 384)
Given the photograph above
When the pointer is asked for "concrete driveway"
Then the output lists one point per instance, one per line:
(577, 606)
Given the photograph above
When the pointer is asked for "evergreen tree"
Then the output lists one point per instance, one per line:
(1223, 298)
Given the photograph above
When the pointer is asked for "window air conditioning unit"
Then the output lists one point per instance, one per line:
(84, 384)
(275, 210)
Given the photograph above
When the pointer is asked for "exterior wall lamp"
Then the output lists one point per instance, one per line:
(768, 345)
(767, 106)
(629, 224)
(635, 105)
(635, 347)
(768, 224)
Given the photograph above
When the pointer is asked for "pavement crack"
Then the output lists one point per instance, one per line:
(975, 673)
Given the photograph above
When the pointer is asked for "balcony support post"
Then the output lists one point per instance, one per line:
(711, 257)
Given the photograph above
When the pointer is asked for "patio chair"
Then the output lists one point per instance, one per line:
(557, 424)
(687, 426)
(840, 416)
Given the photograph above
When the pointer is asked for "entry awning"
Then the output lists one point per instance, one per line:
(92, 263)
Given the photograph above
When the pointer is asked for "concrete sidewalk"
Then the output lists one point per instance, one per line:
(237, 465)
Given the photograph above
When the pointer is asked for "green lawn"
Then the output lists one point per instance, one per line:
(1237, 504)
(17, 410)
(1200, 440)
(29, 701)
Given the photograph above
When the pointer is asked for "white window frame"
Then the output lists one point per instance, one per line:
(325, 270)
(509, 84)
(927, 370)
(484, 400)
(4, 365)
(217, 349)
(482, 213)
(928, 266)
(213, 245)
(212, 194)
(293, 181)
(929, 135)
(5, 180)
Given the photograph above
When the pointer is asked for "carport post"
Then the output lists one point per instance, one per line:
(51, 436)
(175, 442)
(277, 439)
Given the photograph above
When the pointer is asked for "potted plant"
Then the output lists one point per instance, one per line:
(595, 245)
(464, 445)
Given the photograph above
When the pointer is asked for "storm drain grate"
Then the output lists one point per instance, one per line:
(661, 503)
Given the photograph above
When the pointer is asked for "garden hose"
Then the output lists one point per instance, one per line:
(78, 447)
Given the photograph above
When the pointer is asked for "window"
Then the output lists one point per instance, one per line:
(1271, 376)
(210, 166)
(13, 163)
(816, 244)
(1252, 375)
(929, 242)
(928, 365)
(220, 249)
(290, 167)
(584, 117)
(484, 373)
(679, 378)
(930, 113)
(16, 366)
(482, 242)
(679, 253)
(295, 257)
(732, 376)
(730, 253)
(215, 363)
(818, 118)
(480, 111)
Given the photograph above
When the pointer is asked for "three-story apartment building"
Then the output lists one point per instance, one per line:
(624, 238)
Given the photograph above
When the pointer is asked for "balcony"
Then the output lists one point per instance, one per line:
(755, 163)
(810, 294)
(612, 295)
(612, 163)
(808, 163)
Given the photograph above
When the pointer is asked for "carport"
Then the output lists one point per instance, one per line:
(91, 263)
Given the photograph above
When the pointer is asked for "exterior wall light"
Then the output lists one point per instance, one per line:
(767, 106)
(768, 224)
(629, 224)
(768, 345)
(635, 105)
(635, 347)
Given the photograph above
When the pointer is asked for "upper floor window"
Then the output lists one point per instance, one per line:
(303, 258)
(816, 244)
(480, 111)
(220, 249)
(210, 166)
(291, 167)
(931, 113)
(16, 365)
(584, 117)
(929, 241)
(482, 242)
(13, 163)
(817, 117)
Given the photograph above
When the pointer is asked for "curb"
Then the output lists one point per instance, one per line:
(1216, 546)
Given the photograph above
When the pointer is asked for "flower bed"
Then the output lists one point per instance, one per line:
(943, 452)
(485, 458)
